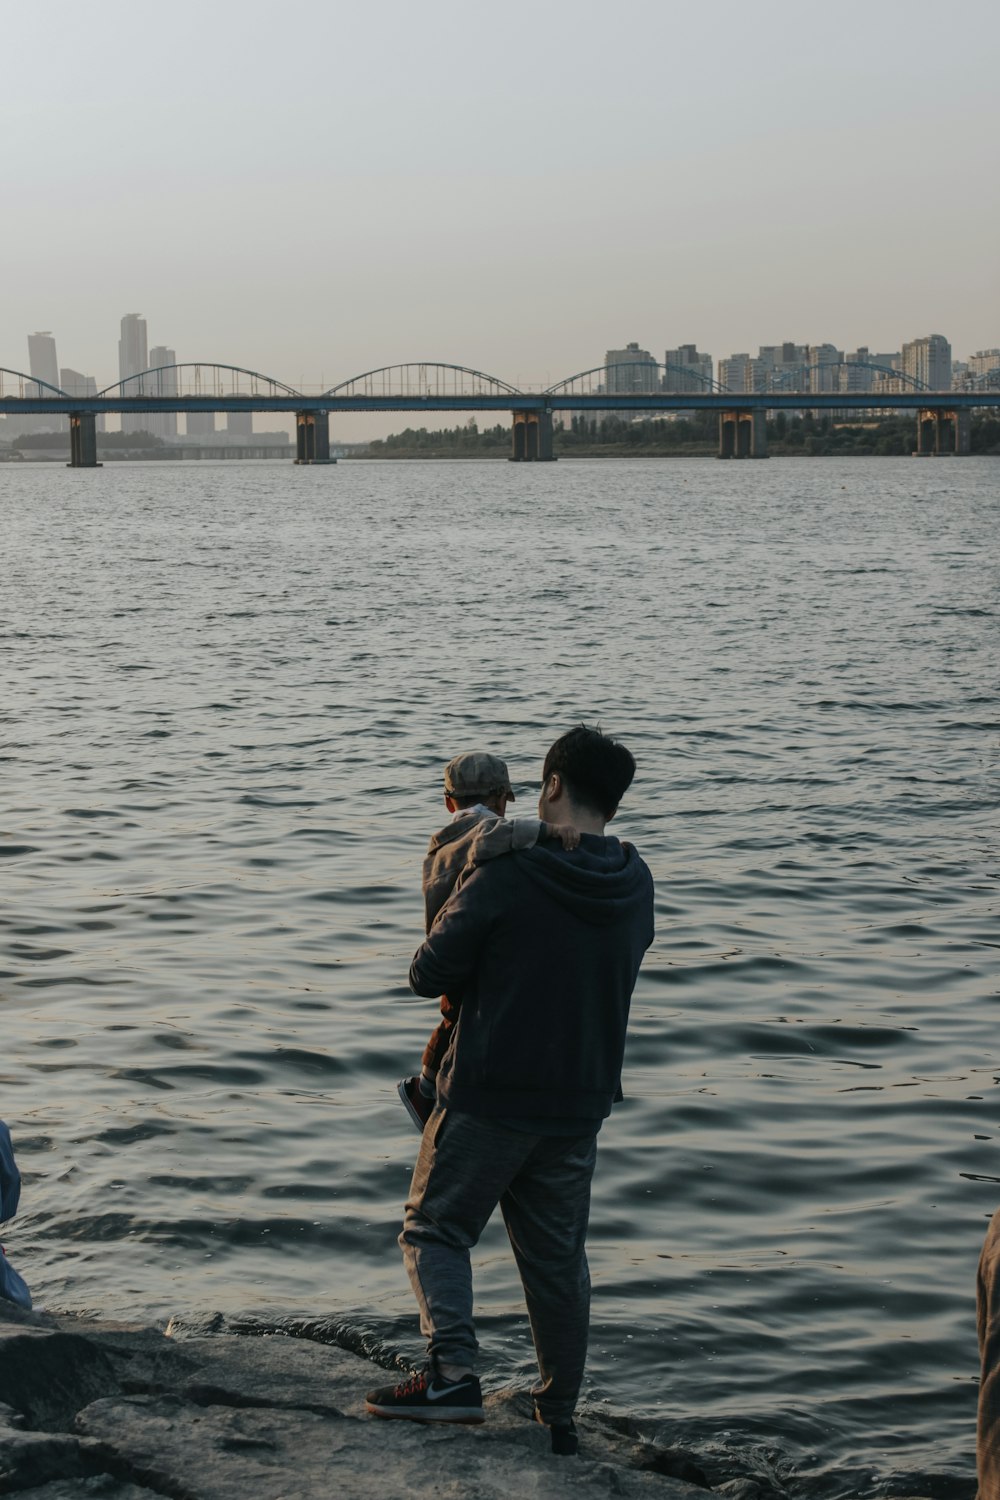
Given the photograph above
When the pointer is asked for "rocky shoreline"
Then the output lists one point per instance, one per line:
(115, 1411)
(125, 1412)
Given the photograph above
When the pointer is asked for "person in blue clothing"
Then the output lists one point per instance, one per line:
(12, 1287)
(544, 948)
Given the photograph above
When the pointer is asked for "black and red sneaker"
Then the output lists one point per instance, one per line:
(419, 1106)
(428, 1397)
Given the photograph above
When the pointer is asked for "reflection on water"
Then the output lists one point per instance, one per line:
(229, 694)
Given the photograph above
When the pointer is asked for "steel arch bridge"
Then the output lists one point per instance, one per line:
(910, 381)
(24, 381)
(206, 379)
(592, 382)
(419, 380)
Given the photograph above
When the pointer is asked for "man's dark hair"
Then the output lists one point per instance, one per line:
(596, 769)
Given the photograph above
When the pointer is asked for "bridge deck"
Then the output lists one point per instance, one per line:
(660, 401)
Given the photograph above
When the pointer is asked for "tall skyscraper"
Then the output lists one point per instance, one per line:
(928, 361)
(824, 360)
(42, 360)
(43, 365)
(133, 357)
(984, 368)
(737, 372)
(641, 373)
(687, 370)
(239, 423)
(163, 383)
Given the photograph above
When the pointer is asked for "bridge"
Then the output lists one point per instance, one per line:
(943, 418)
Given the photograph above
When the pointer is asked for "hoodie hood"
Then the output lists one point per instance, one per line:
(602, 882)
(459, 827)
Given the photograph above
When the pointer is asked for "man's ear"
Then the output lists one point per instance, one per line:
(553, 787)
(450, 803)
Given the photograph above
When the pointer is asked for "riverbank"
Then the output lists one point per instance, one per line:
(197, 1411)
(128, 1412)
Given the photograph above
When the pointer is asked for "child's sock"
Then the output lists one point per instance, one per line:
(427, 1086)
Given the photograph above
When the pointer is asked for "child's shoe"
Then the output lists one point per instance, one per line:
(418, 1104)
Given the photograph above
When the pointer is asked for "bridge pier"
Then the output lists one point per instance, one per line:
(83, 441)
(531, 437)
(743, 434)
(312, 438)
(940, 431)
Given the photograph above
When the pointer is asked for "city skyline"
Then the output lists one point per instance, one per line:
(407, 187)
(925, 362)
(927, 359)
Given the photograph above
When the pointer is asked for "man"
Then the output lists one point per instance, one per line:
(543, 947)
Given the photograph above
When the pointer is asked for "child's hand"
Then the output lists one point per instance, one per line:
(567, 835)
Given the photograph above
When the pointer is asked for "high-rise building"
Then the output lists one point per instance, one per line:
(785, 364)
(162, 383)
(43, 365)
(928, 361)
(132, 358)
(630, 371)
(200, 423)
(736, 373)
(687, 370)
(984, 363)
(75, 384)
(42, 360)
(240, 423)
(824, 361)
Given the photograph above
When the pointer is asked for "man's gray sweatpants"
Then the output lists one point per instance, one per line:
(467, 1165)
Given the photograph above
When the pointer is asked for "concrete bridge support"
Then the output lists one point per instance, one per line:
(941, 431)
(312, 438)
(742, 434)
(531, 437)
(82, 440)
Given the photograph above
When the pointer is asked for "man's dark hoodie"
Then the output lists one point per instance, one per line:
(543, 947)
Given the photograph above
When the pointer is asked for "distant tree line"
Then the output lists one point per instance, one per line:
(692, 434)
(450, 442)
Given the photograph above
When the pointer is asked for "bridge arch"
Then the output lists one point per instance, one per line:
(23, 380)
(207, 379)
(853, 364)
(585, 384)
(423, 378)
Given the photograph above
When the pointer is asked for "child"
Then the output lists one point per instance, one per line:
(476, 792)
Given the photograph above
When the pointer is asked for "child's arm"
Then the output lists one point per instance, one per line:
(508, 834)
(503, 836)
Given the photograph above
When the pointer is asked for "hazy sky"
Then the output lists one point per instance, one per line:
(318, 188)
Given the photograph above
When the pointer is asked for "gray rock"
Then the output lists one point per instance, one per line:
(220, 1453)
(99, 1487)
(118, 1412)
(29, 1459)
(47, 1375)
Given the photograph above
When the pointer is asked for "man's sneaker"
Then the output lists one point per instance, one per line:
(564, 1439)
(418, 1106)
(428, 1397)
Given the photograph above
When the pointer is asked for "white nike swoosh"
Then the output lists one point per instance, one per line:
(436, 1395)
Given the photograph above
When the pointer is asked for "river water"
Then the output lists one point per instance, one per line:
(228, 695)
